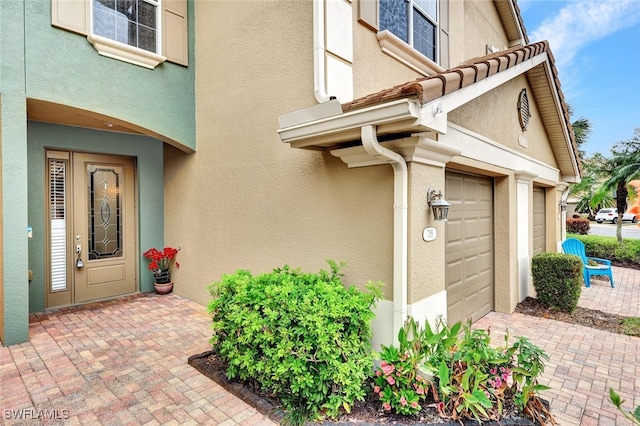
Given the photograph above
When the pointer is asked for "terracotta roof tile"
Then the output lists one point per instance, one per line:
(426, 89)
(494, 66)
(481, 69)
(468, 76)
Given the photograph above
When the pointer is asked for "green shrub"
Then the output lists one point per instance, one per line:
(626, 254)
(578, 226)
(557, 278)
(304, 337)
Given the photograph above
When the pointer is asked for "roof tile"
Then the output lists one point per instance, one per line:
(432, 87)
(481, 70)
(468, 75)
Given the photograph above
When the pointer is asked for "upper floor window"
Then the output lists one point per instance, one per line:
(131, 22)
(413, 21)
(141, 32)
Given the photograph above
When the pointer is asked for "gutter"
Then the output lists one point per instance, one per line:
(400, 220)
(319, 53)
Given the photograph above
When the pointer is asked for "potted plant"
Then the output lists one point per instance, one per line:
(160, 263)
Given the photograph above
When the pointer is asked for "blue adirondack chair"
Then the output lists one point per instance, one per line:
(576, 247)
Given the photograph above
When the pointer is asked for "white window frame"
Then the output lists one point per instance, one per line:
(404, 52)
(412, 6)
(124, 52)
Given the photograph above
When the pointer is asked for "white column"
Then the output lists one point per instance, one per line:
(523, 229)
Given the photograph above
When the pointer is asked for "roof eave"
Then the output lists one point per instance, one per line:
(399, 116)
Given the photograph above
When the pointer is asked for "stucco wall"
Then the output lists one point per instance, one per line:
(495, 115)
(427, 259)
(482, 27)
(245, 199)
(14, 173)
(374, 70)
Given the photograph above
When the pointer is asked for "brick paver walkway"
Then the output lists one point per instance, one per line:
(124, 363)
(117, 363)
(585, 362)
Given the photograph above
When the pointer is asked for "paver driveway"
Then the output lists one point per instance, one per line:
(585, 362)
(123, 362)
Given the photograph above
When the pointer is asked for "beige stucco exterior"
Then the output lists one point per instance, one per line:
(481, 28)
(246, 200)
(495, 115)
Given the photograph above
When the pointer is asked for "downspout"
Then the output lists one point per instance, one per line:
(318, 52)
(400, 221)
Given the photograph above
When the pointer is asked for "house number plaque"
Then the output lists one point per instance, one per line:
(429, 234)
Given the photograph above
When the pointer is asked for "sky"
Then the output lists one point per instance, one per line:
(596, 46)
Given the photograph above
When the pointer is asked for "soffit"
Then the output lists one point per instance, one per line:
(51, 112)
(512, 21)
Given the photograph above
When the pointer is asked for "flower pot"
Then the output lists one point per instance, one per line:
(162, 277)
(163, 288)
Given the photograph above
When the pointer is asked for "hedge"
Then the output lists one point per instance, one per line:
(626, 254)
(557, 278)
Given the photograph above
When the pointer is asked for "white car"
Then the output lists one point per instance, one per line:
(606, 215)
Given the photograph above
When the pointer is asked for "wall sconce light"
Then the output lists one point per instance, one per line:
(563, 205)
(439, 205)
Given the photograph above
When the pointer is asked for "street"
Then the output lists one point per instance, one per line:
(629, 230)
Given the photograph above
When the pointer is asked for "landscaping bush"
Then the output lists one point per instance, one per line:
(303, 337)
(558, 279)
(578, 226)
(626, 254)
(464, 376)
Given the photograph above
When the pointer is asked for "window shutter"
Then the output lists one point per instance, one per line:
(175, 31)
(58, 217)
(369, 13)
(72, 15)
(444, 33)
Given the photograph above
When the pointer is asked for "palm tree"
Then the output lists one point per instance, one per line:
(581, 131)
(586, 189)
(622, 167)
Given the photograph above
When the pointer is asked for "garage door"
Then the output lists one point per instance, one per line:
(469, 248)
(538, 221)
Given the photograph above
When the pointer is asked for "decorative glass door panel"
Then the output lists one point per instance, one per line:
(105, 212)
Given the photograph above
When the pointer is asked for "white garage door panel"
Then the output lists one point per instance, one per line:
(469, 249)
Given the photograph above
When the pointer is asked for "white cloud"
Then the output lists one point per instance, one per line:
(583, 21)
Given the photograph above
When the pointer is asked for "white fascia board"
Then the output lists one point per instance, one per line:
(483, 149)
(572, 179)
(467, 94)
(342, 127)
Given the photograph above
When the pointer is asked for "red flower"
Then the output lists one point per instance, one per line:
(161, 261)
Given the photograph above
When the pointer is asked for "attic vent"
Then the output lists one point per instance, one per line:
(523, 109)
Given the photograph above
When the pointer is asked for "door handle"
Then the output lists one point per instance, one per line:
(79, 262)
